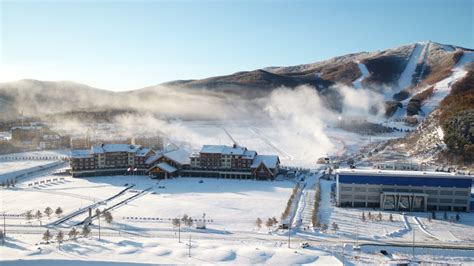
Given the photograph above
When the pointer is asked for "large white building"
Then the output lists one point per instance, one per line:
(403, 190)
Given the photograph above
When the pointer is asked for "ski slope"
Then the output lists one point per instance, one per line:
(365, 73)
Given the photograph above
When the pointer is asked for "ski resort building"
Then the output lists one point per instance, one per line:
(168, 164)
(219, 161)
(235, 162)
(403, 190)
(110, 159)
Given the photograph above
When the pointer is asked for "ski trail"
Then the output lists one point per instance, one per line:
(407, 75)
(443, 88)
(422, 61)
(365, 72)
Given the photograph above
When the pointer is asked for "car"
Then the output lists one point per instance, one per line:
(201, 181)
(384, 252)
(304, 245)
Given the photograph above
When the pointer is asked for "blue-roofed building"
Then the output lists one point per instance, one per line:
(403, 190)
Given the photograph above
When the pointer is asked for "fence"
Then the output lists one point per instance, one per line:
(162, 220)
(46, 181)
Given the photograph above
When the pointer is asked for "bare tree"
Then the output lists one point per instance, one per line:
(390, 217)
(73, 233)
(86, 231)
(58, 211)
(38, 215)
(363, 216)
(189, 222)
(60, 238)
(175, 222)
(29, 215)
(2, 236)
(259, 222)
(108, 217)
(47, 236)
(48, 211)
(379, 216)
(324, 228)
(335, 227)
(269, 223)
(275, 221)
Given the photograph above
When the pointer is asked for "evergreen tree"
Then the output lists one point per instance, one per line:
(58, 211)
(48, 211)
(458, 217)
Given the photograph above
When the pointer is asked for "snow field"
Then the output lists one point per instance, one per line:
(115, 251)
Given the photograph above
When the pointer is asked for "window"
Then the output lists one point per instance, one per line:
(445, 200)
(445, 192)
(432, 200)
(461, 193)
(372, 189)
(346, 188)
(359, 197)
(432, 192)
(346, 196)
(460, 201)
(360, 189)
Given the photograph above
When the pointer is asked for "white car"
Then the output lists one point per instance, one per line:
(304, 245)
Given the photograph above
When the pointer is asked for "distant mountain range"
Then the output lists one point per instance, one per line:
(37, 98)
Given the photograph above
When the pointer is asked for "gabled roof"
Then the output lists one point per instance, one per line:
(155, 157)
(179, 156)
(270, 161)
(166, 167)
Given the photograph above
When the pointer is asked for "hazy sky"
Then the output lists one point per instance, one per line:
(121, 45)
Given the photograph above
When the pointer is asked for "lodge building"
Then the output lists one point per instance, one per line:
(219, 161)
(403, 190)
(110, 159)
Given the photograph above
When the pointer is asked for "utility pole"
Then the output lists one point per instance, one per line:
(289, 234)
(98, 217)
(4, 227)
(413, 245)
(189, 253)
(179, 230)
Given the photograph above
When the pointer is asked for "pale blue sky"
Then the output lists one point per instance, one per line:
(122, 45)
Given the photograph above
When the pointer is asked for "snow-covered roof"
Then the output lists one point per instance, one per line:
(228, 150)
(270, 161)
(115, 148)
(142, 151)
(166, 167)
(213, 148)
(376, 172)
(248, 154)
(81, 153)
(180, 156)
(155, 157)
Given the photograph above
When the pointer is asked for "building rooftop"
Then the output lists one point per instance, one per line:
(115, 148)
(377, 172)
(270, 161)
(81, 153)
